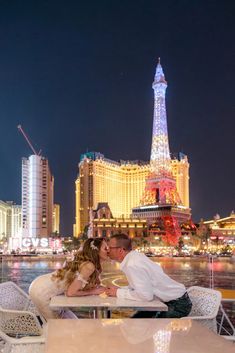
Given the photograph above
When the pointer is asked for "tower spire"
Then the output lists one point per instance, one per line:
(159, 75)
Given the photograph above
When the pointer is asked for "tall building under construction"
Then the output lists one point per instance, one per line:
(37, 197)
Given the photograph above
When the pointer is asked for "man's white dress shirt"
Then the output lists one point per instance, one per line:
(147, 280)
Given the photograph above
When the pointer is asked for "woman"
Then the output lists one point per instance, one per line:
(81, 276)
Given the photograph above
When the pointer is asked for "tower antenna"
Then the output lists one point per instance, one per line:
(19, 127)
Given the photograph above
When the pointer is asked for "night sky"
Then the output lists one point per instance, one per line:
(78, 76)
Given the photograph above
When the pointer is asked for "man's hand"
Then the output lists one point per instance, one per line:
(111, 291)
(98, 290)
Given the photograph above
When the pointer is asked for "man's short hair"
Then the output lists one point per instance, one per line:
(123, 241)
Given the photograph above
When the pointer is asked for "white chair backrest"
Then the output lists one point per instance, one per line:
(13, 322)
(12, 297)
(205, 301)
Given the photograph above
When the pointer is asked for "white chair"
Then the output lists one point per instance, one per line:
(205, 305)
(20, 332)
(14, 298)
(229, 338)
(227, 328)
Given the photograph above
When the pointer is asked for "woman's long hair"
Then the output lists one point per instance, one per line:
(89, 253)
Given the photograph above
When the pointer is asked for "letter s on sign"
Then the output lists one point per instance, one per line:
(44, 242)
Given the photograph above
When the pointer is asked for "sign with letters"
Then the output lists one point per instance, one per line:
(34, 243)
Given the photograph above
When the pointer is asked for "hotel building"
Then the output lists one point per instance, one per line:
(222, 229)
(37, 197)
(16, 219)
(10, 220)
(56, 219)
(120, 185)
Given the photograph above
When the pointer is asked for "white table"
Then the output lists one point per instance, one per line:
(133, 336)
(97, 303)
(228, 296)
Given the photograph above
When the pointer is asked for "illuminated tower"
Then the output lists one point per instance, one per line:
(160, 186)
(160, 155)
(161, 204)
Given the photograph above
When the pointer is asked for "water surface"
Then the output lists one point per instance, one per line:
(190, 271)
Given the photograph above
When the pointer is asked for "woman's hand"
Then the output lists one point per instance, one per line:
(98, 290)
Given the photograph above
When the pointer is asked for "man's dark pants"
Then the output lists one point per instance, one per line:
(176, 308)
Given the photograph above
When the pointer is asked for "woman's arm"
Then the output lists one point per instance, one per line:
(73, 292)
(75, 288)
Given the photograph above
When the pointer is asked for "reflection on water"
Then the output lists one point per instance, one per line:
(190, 271)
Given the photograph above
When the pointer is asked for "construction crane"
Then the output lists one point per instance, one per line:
(19, 127)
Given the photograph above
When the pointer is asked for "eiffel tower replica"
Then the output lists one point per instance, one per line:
(161, 203)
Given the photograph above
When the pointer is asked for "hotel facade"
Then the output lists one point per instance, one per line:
(56, 219)
(37, 197)
(10, 220)
(222, 230)
(119, 184)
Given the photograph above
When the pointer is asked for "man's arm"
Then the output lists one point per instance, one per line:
(140, 287)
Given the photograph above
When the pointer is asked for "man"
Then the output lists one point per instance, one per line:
(146, 280)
